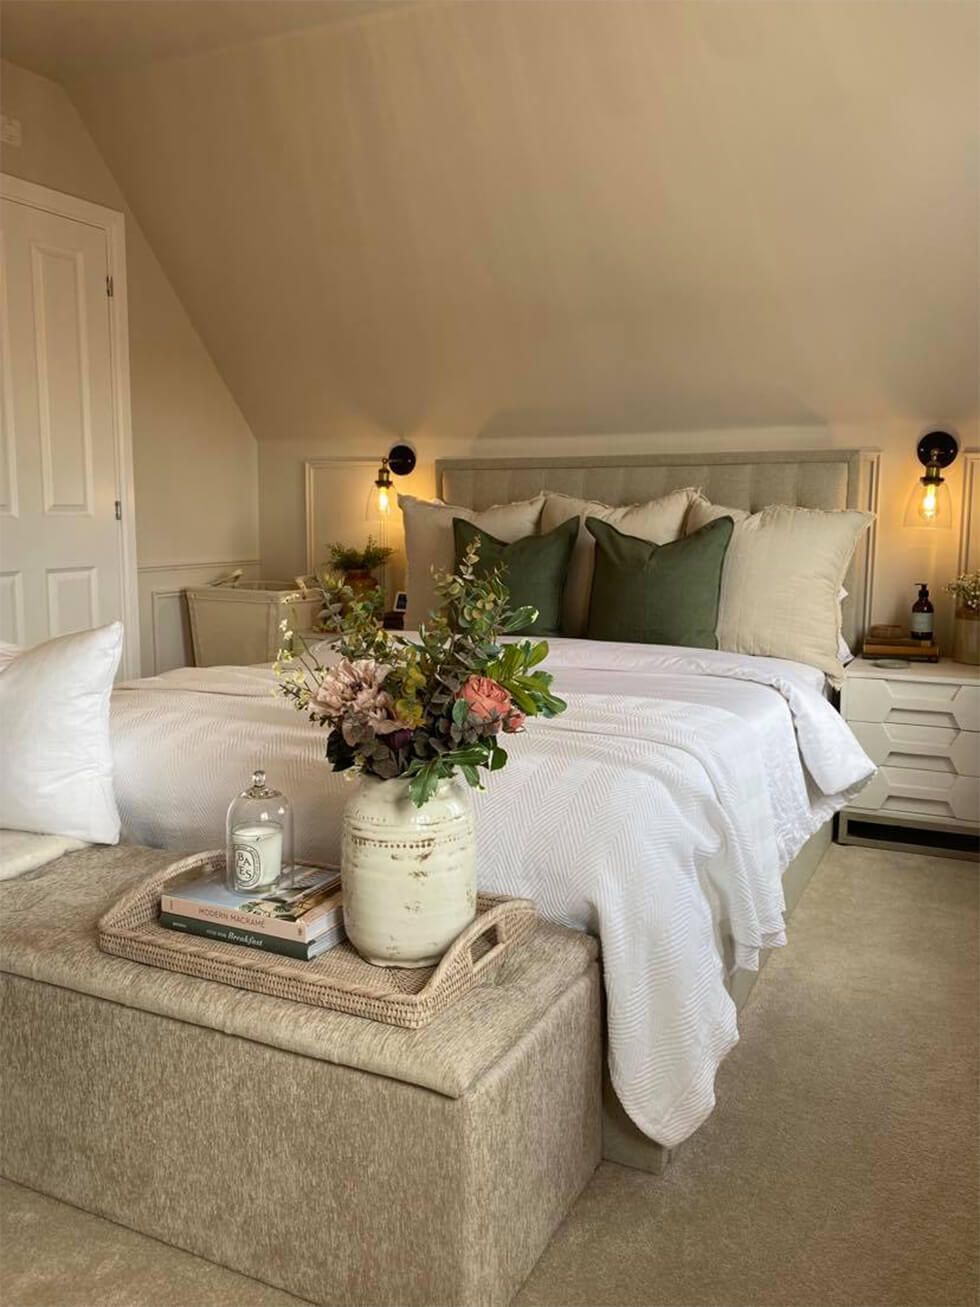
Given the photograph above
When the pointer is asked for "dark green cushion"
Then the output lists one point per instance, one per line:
(657, 594)
(532, 569)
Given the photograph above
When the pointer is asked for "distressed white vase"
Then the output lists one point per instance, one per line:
(409, 874)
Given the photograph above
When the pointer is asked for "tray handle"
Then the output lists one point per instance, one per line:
(505, 921)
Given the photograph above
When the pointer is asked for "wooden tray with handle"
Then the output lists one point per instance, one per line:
(339, 978)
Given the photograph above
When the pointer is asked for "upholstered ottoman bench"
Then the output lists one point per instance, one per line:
(342, 1160)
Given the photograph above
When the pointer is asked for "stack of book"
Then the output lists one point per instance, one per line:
(922, 651)
(300, 922)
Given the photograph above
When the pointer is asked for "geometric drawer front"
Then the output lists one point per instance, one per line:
(913, 703)
(909, 792)
(927, 748)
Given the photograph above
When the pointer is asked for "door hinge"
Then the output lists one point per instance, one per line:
(118, 510)
(108, 287)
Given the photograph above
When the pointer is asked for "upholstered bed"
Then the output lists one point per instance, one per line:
(822, 478)
(661, 812)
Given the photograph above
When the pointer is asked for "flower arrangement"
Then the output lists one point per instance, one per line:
(424, 709)
(346, 558)
(966, 588)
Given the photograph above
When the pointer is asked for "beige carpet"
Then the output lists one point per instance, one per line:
(839, 1168)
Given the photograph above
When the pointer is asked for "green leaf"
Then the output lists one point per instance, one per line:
(423, 785)
(525, 701)
(551, 705)
(498, 758)
(520, 619)
(536, 653)
(472, 755)
(461, 710)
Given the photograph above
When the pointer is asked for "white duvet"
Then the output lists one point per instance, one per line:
(668, 799)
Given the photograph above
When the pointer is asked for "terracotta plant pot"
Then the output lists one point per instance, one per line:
(966, 636)
(361, 581)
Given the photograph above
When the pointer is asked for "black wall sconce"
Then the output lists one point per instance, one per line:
(400, 461)
(929, 504)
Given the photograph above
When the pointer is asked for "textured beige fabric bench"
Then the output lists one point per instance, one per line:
(345, 1161)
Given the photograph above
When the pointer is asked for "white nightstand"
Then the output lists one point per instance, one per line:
(921, 725)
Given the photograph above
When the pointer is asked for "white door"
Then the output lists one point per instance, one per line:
(61, 561)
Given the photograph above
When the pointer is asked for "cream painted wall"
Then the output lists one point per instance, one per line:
(195, 458)
(510, 228)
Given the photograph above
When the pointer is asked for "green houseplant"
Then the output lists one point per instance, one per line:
(357, 566)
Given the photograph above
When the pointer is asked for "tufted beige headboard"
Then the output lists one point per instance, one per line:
(822, 478)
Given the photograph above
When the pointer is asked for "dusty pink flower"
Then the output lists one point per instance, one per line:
(486, 699)
(513, 721)
(356, 689)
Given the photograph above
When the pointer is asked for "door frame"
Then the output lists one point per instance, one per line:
(113, 224)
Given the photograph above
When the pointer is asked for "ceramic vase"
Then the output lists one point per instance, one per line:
(966, 636)
(409, 874)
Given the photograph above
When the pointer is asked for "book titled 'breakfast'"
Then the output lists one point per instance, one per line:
(302, 921)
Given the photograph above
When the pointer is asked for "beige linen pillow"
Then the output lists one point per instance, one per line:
(660, 521)
(782, 579)
(702, 512)
(429, 541)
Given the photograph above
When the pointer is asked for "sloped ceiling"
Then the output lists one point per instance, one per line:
(68, 39)
(478, 217)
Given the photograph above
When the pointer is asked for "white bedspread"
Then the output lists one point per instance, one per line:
(671, 796)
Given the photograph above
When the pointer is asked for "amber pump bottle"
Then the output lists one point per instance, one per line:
(922, 615)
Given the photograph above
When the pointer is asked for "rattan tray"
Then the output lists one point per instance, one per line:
(338, 979)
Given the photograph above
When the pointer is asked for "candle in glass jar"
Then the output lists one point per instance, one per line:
(258, 856)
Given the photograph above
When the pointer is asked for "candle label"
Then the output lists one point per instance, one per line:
(258, 857)
(248, 866)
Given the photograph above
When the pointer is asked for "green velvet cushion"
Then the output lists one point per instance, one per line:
(532, 569)
(657, 594)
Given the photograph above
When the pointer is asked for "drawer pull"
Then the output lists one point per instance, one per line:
(913, 703)
(920, 717)
(934, 749)
(924, 807)
(927, 761)
(920, 792)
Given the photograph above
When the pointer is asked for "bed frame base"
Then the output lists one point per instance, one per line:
(625, 1143)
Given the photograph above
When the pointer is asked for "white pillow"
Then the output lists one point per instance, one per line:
(781, 583)
(55, 753)
(429, 541)
(660, 521)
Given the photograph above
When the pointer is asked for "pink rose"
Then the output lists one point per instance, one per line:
(485, 698)
(513, 722)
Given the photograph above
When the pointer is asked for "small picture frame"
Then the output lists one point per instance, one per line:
(401, 602)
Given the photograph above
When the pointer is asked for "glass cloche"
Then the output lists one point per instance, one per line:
(259, 840)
